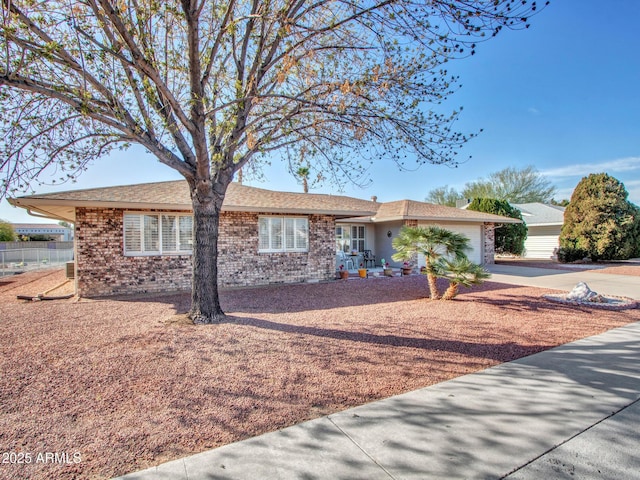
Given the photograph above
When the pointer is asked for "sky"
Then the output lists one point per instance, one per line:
(563, 96)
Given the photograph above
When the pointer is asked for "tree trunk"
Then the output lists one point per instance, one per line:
(431, 279)
(433, 287)
(451, 292)
(205, 302)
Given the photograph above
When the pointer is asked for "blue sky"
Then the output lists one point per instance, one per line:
(563, 96)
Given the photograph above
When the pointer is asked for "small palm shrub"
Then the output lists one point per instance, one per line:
(459, 271)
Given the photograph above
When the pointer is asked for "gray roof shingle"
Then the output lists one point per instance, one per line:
(174, 195)
(541, 214)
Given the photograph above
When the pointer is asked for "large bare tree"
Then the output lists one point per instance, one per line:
(208, 86)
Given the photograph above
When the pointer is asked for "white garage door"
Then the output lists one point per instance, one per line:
(472, 232)
(540, 246)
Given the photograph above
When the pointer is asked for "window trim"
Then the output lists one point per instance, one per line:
(357, 238)
(160, 251)
(283, 248)
(347, 240)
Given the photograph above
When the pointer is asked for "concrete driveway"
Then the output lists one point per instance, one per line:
(603, 283)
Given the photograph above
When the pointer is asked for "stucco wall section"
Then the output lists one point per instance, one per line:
(102, 268)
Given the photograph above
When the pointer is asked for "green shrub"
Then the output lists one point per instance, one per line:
(510, 237)
(7, 234)
(599, 222)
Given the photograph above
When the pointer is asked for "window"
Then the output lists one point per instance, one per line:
(157, 234)
(283, 234)
(342, 238)
(357, 238)
(350, 238)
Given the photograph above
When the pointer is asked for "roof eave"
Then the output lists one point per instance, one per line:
(40, 204)
(299, 211)
(444, 219)
(546, 224)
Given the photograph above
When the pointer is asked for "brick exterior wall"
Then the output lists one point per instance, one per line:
(240, 264)
(489, 243)
(102, 269)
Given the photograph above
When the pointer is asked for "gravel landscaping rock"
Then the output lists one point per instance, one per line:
(127, 383)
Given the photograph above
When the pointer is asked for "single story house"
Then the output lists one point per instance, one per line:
(138, 238)
(544, 223)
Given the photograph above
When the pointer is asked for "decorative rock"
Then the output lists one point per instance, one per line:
(582, 295)
(581, 292)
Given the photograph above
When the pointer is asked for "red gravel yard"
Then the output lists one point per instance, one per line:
(116, 385)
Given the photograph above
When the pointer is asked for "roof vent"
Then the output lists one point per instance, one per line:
(374, 198)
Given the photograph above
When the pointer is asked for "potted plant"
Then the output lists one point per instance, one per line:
(406, 268)
(344, 274)
(387, 270)
(362, 271)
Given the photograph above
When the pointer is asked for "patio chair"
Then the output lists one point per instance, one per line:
(345, 260)
(367, 257)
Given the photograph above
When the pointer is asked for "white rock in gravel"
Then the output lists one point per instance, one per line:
(581, 292)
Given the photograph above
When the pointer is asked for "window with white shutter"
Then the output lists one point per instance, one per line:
(157, 234)
(283, 234)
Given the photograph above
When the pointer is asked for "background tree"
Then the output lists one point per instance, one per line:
(303, 174)
(210, 87)
(7, 233)
(513, 185)
(444, 196)
(432, 242)
(509, 237)
(524, 185)
(599, 222)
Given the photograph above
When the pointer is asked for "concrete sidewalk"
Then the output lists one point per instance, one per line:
(569, 412)
(606, 284)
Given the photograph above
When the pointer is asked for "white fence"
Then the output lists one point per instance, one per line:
(21, 260)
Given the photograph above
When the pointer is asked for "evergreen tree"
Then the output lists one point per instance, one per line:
(599, 222)
(510, 237)
(7, 234)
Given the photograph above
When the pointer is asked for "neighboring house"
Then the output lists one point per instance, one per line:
(56, 232)
(138, 238)
(544, 223)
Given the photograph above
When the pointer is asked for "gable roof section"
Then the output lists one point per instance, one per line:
(541, 214)
(174, 195)
(413, 210)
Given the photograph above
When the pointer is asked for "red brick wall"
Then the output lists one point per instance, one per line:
(102, 268)
(489, 232)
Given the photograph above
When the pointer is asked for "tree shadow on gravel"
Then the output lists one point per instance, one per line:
(500, 351)
(295, 298)
(332, 295)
